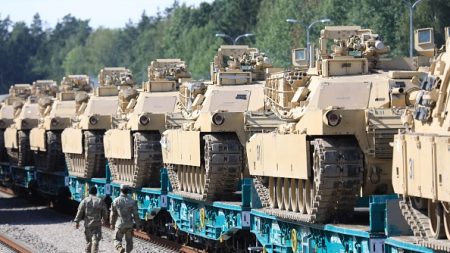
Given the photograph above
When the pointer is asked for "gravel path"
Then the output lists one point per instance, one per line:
(45, 230)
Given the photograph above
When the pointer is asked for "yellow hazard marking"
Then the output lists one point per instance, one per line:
(86, 189)
(202, 217)
(294, 242)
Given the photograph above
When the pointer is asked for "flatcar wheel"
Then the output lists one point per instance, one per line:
(280, 201)
(308, 196)
(272, 192)
(435, 219)
(286, 189)
(293, 195)
(446, 212)
(301, 197)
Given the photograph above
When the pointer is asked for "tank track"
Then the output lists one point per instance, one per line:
(91, 163)
(222, 163)
(420, 226)
(53, 158)
(338, 179)
(23, 155)
(143, 168)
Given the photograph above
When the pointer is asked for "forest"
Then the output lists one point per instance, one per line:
(72, 46)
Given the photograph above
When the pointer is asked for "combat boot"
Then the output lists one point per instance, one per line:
(120, 249)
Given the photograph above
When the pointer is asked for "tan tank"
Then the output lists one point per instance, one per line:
(421, 159)
(45, 139)
(18, 94)
(203, 150)
(133, 147)
(338, 119)
(82, 143)
(26, 117)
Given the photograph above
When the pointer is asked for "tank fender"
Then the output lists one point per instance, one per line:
(181, 147)
(278, 155)
(118, 144)
(11, 138)
(38, 139)
(72, 141)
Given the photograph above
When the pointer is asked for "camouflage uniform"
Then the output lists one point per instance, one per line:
(92, 209)
(123, 211)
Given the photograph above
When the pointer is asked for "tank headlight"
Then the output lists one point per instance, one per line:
(54, 122)
(144, 120)
(93, 120)
(332, 118)
(218, 119)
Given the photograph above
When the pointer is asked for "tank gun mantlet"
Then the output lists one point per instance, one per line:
(287, 90)
(191, 95)
(220, 121)
(45, 105)
(127, 99)
(146, 121)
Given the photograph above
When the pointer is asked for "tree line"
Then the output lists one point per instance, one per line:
(72, 46)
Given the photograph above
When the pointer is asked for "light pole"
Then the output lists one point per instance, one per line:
(235, 40)
(308, 28)
(411, 7)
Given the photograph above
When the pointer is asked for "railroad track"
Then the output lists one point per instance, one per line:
(165, 243)
(9, 245)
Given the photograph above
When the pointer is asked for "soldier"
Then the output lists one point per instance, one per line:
(93, 210)
(124, 208)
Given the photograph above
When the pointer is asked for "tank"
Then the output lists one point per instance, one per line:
(421, 154)
(18, 93)
(202, 149)
(338, 119)
(133, 146)
(82, 143)
(45, 139)
(26, 117)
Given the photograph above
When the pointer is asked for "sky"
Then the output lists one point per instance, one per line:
(105, 13)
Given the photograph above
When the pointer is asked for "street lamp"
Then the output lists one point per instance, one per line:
(235, 40)
(411, 7)
(308, 28)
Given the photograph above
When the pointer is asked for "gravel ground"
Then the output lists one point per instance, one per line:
(45, 230)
